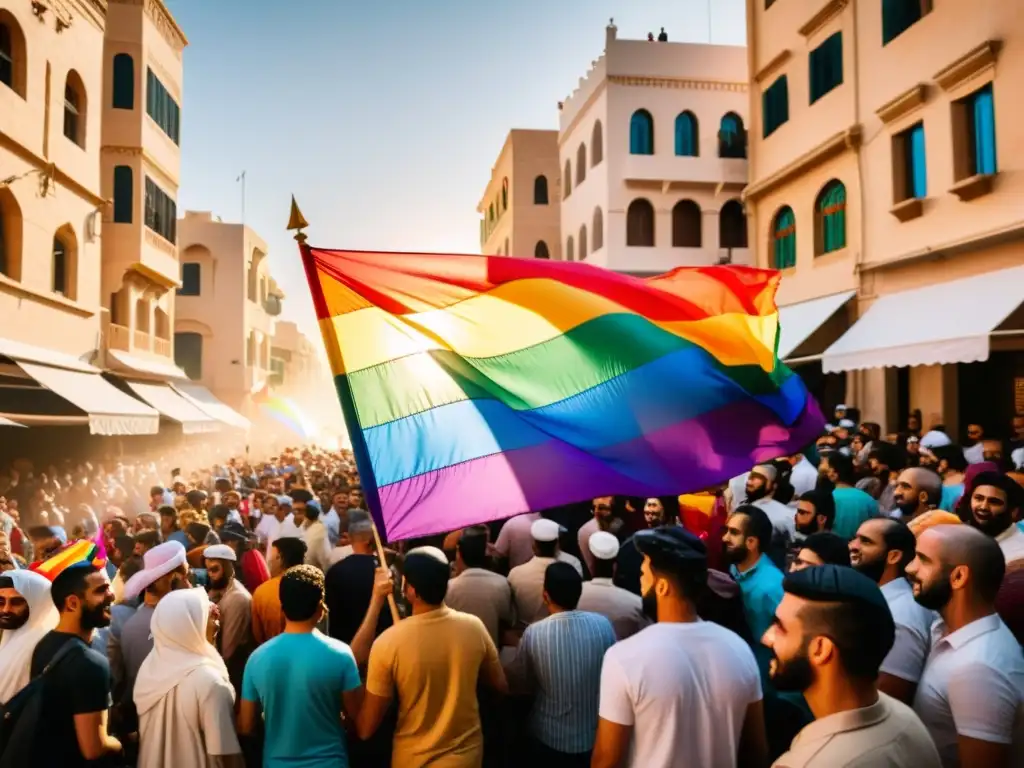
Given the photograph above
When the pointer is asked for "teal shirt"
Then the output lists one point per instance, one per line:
(950, 494)
(298, 679)
(761, 588)
(853, 507)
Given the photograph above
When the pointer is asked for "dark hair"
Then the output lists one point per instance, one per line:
(897, 535)
(603, 569)
(824, 505)
(40, 532)
(300, 495)
(156, 489)
(125, 544)
(168, 511)
(863, 633)
(842, 465)
(148, 538)
(546, 548)
(784, 490)
(6, 582)
(427, 575)
(759, 526)
(313, 510)
(292, 551)
(218, 512)
(1007, 485)
(130, 567)
(987, 565)
(70, 582)
(197, 532)
(891, 456)
(564, 585)
(953, 456)
(831, 548)
(301, 592)
(473, 548)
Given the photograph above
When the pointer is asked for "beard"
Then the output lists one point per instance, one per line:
(220, 583)
(795, 674)
(808, 528)
(993, 526)
(873, 569)
(650, 604)
(12, 621)
(757, 494)
(937, 596)
(96, 617)
(735, 555)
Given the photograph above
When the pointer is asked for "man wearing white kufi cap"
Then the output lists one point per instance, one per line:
(620, 606)
(527, 580)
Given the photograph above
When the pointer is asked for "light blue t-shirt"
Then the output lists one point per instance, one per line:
(298, 680)
(853, 507)
(950, 496)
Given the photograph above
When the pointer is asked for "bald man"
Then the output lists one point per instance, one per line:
(971, 694)
(918, 490)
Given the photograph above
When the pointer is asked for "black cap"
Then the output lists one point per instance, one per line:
(233, 530)
(836, 584)
(671, 543)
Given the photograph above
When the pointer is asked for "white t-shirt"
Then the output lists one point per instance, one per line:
(684, 689)
(913, 621)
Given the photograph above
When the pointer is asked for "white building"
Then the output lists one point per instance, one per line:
(652, 148)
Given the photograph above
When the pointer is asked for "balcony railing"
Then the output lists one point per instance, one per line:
(118, 337)
(141, 340)
(162, 346)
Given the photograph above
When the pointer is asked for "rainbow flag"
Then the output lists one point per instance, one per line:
(475, 388)
(78, 554)
(287, 412)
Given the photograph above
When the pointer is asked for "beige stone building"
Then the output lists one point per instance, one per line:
(885, 181)
(520, 207)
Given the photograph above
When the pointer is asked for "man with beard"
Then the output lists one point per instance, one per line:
(830, 634)
(881, 550)
(235, 605)
(971, 693)
(918, 490)
(682, 692)
(26, 615)
(852, 505)
(885, 461)
(760, 489)
(995, 511)
(815, 512)
(821, 548)
(603, 520)
(76, 692)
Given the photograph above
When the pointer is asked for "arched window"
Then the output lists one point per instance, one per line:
(142, 312)
(13, 66)
(581, 164)
(10, 235)
(63, 265)
(732, 139)
(784, 239)
(567, 180)
(732, 225)
(596, 144)
(641, 133)
(504, 194)
(583, 242)
(598, 231)
(569, 251)
(124, 194)
(540, 251)
(830, 218)
(687, 135)
(124, 82)
(640, 223)
(74, 109)
(188, 354)
(686, 225)
(540, 190)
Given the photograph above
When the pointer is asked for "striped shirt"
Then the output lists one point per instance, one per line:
(560, 659)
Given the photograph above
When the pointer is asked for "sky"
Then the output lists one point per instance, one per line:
(384, 118)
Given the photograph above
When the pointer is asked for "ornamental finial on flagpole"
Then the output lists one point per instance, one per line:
(297, 222)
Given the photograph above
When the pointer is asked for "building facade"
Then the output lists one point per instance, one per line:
(519, 212)
(227, 307)
(294, 359)
(652, 153)
(884, 183)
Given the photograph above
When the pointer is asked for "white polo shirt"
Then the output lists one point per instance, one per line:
(1011, 541)
(973, 686)
(913, 621)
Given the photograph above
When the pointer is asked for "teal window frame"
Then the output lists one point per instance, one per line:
(900, 15)
(831, 212)
(826, 66)
(687, 138)
(775, 105)
(784, 239)
(641, 133)
(981, 125)
(124, 194)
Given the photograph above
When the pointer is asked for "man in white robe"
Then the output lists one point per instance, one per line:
(27, 613)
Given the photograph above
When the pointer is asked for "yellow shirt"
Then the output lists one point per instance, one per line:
(267, 617)
(432, 662)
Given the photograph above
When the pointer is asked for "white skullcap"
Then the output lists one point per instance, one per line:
(935, 439)
(846, 424)
(767, 471)
(545, 530)
(433, 552)
(604, 545)
(220, 552)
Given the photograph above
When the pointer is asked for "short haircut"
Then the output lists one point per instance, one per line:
(40, 532)
(888, 454)
(564, 585)
(842, 465)
(70, 582)
(981, 554)
(427, 575)
(312, 511)
(125, 544)
(897, 536)
(929, 481)
(759, 526)
(546, 548)
(168, 511)
(1007, 485)
(148, 538)
(300, 495)
(291, 551)
(831, 548)
(824, 505)
(156, 490)
(473, 547)
(953, 455)
(130, 567)
(301, 592)
(218, 512)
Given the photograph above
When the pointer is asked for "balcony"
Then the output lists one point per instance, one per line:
(162, 347)
(119, 337)
(664, 169)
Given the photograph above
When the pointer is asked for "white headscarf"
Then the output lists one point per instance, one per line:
(180, 647)
(17, 645)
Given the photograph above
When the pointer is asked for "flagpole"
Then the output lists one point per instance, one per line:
(297, 223)
(241, 178)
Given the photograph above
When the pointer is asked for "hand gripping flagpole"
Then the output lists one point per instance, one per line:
(296, 223)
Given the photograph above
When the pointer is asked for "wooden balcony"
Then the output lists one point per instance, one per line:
(142, 341)
(118, 337)
(162, 347)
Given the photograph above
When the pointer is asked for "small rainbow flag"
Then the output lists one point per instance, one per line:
(286, 411)
(475, 388)
(78, 554)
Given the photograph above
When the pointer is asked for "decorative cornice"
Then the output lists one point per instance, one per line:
(903, 104)
(59, 175)
(677, 82)
(772, 66)
(162, 282)
(147, 159)
(163, 21)
(968, 66)
(563, 136)
(830, 10)
(840, 142)
(55, 300)
(94, 11)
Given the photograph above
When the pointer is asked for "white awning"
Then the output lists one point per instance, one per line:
(30, 353)
(938, 325)
(175, 407)
(163, 369)
(8, 423)
(204, 400)
(797, 322)
(110, 411)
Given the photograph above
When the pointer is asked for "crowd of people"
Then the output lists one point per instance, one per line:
(857, 604)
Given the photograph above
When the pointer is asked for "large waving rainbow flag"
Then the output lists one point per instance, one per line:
(475, 388)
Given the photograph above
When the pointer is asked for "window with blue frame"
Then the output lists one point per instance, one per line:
(775, 105)
(784, 239)
(161, 212)
(162, 107)
(911, 145)
(826, 66)
(830, 218)
(124, 194)
(900, 15)
(641, 133)
(124, 82)
(979, 110)
(191, 279)
(732, 140)
(686, 135)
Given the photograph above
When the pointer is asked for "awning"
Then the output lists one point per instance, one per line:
(110, 411)
(8, 423)
(204, 400)
(164, 370)
(30, 353)
(175, 407)
(797, 322)
(938, 325)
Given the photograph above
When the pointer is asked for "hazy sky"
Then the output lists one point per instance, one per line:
(383, 118)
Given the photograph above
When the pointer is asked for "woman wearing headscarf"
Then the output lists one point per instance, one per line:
(182, 693)
(17, 645)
